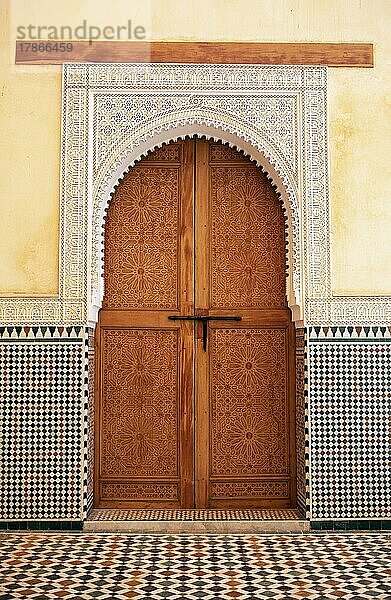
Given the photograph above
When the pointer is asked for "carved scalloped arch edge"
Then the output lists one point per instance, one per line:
(147, 152)
(280, 174)
(273, 176)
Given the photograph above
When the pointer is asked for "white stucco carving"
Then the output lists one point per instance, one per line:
(115, 113)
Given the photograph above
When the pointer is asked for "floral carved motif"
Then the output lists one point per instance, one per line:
(248, 243)
(249, 402)
(141, 236)
(139, 403)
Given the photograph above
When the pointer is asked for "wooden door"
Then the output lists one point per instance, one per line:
(195, 230)
(144, 419)
(245, 380)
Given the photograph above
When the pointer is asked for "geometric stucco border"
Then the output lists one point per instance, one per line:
(112, 114)
(161, 103)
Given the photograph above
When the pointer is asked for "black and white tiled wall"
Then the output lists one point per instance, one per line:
(350, 413)
(46, 449)
(43, 402)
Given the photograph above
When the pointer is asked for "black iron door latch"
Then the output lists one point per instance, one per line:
(204, 320)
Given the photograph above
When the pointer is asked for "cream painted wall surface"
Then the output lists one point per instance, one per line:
(360, 124)
(30, 113)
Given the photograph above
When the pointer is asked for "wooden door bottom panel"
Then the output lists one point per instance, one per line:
(140, 493)
(139, 504)
(245, 503)
(251, 492)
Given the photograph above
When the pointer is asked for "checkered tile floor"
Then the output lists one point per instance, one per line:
(283, 514)
(202, 567)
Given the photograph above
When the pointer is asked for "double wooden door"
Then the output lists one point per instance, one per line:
(194, 345)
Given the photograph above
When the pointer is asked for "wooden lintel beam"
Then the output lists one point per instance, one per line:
(52, 52)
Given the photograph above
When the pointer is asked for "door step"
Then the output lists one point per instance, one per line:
(196, 521)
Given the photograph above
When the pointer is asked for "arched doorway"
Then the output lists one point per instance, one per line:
(195, 343)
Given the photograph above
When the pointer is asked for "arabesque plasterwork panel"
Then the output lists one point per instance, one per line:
(115, 113)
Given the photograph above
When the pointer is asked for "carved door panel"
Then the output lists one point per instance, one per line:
(145, 451)
(245, 410)
(195, 412)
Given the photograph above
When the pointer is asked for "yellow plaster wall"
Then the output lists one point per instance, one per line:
(360, 124)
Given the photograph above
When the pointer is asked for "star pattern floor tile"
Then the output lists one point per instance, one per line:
(200, 567)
